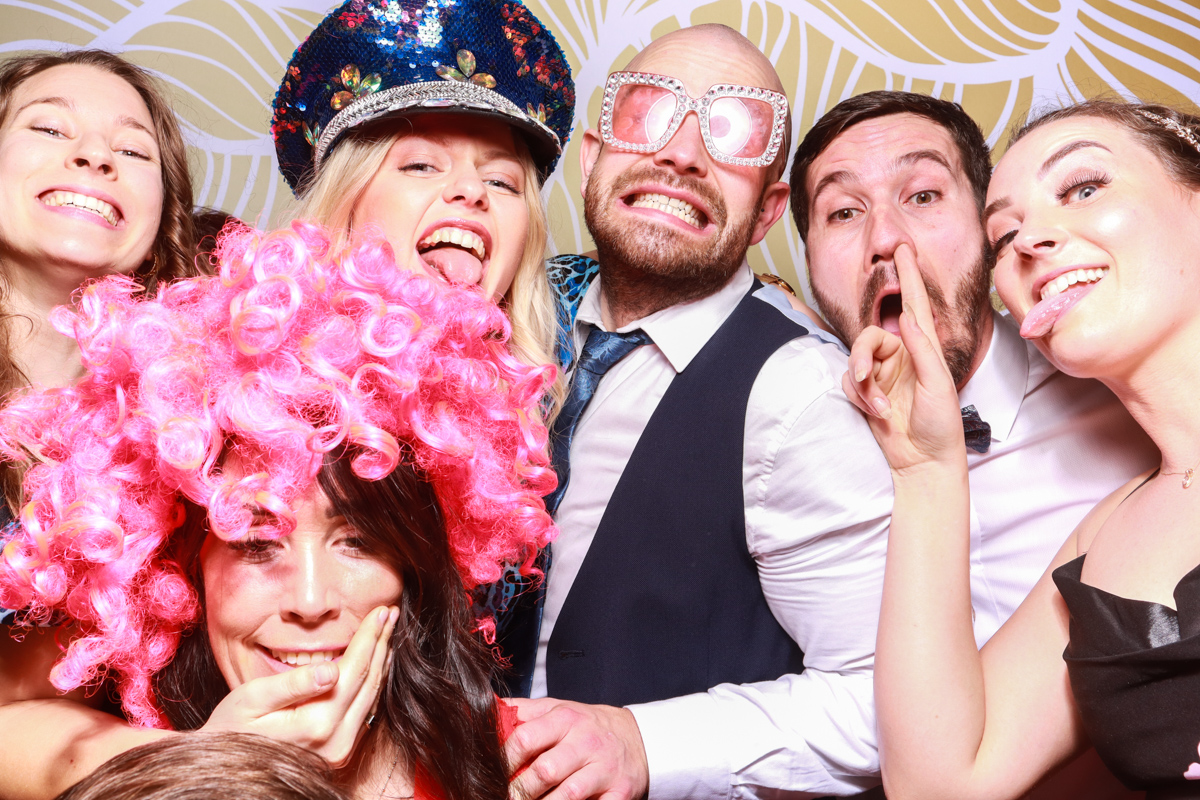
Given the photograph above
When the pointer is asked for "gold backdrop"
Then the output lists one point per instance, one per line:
(999, 58)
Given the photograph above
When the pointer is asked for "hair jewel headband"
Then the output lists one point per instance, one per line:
(1173, 126)
(289, 353)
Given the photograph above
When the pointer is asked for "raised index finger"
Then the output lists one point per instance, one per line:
(914, 294)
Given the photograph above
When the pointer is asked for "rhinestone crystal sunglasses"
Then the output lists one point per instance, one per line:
(741, 125)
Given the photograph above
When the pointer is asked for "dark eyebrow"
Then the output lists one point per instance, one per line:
(841, 176)
(996, 205)
(124, 120)
(916, 156)
(1065, 151)
(1001, 203)
(906, 160)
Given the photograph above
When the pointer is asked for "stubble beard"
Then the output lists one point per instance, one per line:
(647, 265)
(961, 322)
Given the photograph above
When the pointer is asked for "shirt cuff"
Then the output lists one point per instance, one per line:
(806, 735)
(683, 748)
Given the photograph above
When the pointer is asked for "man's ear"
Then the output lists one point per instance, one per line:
(774, 202)
(589, 151)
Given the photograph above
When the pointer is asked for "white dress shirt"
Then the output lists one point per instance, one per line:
(818, 499)
(1059, 445)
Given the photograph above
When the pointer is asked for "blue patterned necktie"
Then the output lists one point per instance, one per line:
(978, 432)
(601, 350)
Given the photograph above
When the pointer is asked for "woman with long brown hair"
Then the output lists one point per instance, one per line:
(93, 181)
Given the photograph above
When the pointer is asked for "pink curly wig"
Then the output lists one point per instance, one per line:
(289, 353)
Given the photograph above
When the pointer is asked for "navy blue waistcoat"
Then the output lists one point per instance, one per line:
(667, 601)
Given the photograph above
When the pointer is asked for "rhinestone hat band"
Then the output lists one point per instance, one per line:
(444, 95)
(618, 79)
(1174, 127)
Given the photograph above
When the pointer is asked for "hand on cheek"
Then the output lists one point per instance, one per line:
(322, 707)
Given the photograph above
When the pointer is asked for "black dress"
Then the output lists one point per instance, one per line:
(1135, 673)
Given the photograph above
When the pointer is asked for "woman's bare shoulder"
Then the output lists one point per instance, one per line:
(1086, 531)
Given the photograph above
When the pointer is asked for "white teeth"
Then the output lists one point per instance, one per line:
(670, 205)
(83, 201)
(1059, 284)
(458, 236)
(299, 659)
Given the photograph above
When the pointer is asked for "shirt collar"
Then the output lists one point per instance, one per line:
(679, 331)
(998, 387)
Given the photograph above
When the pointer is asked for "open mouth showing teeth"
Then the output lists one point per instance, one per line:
(1060, 284)
(76, 200)
(670, 205)
(300, 659)
(453, 237)
(458, 254)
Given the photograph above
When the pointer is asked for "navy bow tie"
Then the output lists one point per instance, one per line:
(978, 432)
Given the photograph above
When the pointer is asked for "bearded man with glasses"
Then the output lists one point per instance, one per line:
(710, 605)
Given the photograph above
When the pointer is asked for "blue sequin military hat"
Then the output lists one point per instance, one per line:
(374, 58)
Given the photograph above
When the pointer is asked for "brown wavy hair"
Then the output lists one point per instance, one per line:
(199, 766)
(437, 705)
(174, 245)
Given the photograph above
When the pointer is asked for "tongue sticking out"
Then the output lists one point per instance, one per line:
(1042, 317)
(455, 264)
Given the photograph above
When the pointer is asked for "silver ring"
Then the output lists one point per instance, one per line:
(370, 721)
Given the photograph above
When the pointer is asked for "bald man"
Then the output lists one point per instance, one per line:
(708, 628)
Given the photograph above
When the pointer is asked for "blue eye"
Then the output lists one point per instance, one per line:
(1081, 186)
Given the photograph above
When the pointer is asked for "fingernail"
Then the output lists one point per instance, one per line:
(325, 673)
(383, 615)
(883, 409)
(860, 372)
(909, 310)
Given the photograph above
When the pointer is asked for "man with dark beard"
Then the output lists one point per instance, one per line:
(891, 175)
(712, 598)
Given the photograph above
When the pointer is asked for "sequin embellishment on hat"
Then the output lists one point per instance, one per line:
(369, 59)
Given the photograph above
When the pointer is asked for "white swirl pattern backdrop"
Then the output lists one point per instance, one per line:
(224, 58)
